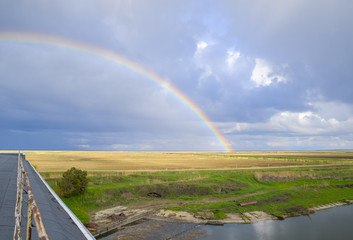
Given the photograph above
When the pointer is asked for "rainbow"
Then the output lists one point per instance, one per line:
(36, 38)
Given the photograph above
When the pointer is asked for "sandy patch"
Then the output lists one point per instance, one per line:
(257, 216)
(234, 218)
(113, 215)
(248, 217)
(176, 215)
(326, 206)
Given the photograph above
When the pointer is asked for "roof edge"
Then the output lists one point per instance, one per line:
(78, 223)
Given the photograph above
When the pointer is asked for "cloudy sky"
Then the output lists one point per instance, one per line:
(270, 75)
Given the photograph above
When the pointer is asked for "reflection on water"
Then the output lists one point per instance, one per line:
(335, 223)
(264, 230)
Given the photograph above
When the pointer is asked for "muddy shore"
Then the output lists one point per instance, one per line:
(133, 223)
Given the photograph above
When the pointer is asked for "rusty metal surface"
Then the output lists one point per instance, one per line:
(59, 223)
(32, 206)
(19, 199)
(75, 221)
(29, 222)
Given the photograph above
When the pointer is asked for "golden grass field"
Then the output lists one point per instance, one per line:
(49, 161)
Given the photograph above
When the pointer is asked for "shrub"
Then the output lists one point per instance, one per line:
(74, 182)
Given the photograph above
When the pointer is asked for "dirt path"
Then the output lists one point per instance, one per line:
(215, 200)
(162, 203)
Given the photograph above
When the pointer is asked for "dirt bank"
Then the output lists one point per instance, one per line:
(163, 224)
(111, 216)
(122, 215)
(115, 215)
(331, 205)
(208, 217)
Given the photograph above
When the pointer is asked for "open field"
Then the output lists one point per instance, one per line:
(50, 161)
(279, 191)
(282, 183)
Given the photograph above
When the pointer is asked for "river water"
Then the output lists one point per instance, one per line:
(335, 223)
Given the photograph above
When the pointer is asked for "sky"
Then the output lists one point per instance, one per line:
(269, 75)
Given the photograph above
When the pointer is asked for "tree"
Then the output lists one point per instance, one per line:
(74, 182)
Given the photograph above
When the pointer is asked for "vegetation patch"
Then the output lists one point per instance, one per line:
(280, 198)
(219, 215)
(296, 210)
(174, 190)
(74, 182)
(345, 185)
(279, 190)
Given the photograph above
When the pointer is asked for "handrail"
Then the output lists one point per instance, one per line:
(73, 217)
(32, 207)
(19, 199)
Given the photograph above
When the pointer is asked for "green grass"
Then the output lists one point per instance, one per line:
(286, 202)
(218, 191)
(220, 215)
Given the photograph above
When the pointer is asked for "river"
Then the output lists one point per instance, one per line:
(335, 223)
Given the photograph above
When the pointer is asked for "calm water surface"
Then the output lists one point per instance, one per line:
(335, 223)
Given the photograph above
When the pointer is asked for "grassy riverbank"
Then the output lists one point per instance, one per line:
(279, 191)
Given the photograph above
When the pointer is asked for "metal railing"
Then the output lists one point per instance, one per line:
(19, 199)
(33, 210)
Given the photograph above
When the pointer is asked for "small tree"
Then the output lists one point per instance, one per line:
(74, 182)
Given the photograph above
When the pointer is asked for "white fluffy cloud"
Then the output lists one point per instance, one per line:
(264, 75)
(308, 123)
(297, 123)
(319, 121)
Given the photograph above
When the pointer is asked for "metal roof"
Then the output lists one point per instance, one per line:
(59, 221)
(8, 190)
